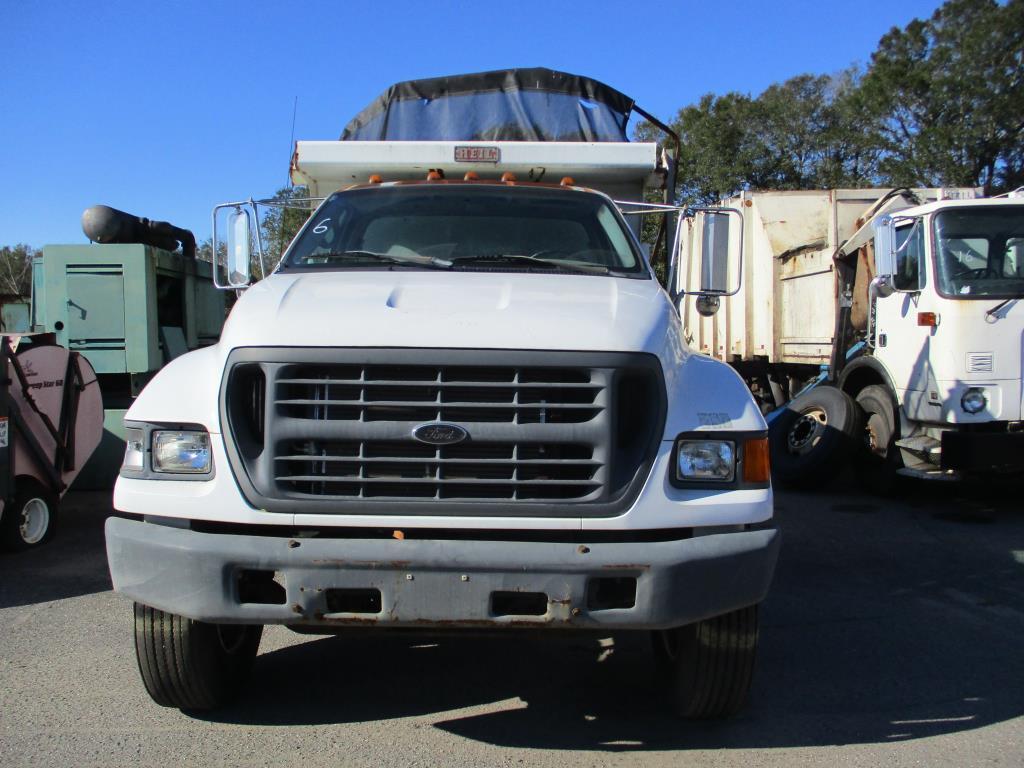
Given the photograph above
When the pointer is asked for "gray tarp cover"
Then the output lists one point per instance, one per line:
(506, 105)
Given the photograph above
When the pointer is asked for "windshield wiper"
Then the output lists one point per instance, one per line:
(1000, 305)
(533, 261)
(391, 258)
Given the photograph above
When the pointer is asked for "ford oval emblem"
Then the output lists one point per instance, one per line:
(440, 433)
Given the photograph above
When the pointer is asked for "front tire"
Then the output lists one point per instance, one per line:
(879, 460)
(709, 666)
(192, 665)
(31, 519)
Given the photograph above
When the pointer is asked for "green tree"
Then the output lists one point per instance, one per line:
(808, 132)
(950, 95)
(280, 223)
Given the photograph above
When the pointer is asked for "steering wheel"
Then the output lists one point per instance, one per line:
(978, 273)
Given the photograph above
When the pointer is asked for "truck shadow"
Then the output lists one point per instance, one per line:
(879, 629)
(74, 563)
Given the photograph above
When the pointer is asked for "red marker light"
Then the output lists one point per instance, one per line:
(929, 319)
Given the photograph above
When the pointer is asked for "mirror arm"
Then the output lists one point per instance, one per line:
(879, 287)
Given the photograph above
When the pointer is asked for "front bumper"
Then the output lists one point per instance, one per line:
(966, 451)
(441, 583)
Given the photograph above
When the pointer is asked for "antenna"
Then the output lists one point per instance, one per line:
(291, 141)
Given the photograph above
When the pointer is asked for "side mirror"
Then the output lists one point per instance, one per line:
(885, 246)
(714, 254)
(239, 248)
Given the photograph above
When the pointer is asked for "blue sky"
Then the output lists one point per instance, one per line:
(165, 109)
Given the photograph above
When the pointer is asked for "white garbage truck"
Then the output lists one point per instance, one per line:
(461, 401)
(881, 327)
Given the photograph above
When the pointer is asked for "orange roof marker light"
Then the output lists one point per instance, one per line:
(508, 177)
(434, 176)
(471, 176)
(375, 178)
(567, 181)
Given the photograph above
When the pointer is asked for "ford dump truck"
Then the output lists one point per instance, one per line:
(461, 401)
(896, 314)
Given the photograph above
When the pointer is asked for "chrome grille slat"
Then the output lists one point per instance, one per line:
(429, 480)
(442, 384)
(461, 404)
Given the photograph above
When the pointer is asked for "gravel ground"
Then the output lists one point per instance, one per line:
(892, 637)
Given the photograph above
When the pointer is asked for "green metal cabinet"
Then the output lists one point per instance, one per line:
(110, 302)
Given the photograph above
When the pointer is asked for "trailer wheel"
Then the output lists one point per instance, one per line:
(879, 460)
(813, 436)
(31, 519)
(192, 665)
(708, 666)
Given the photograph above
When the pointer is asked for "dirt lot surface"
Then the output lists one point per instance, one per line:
(894, 635)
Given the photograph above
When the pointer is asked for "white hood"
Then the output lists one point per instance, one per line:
(451, 309)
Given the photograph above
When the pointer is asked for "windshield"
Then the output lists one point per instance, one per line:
(463, 226)
(980, 252)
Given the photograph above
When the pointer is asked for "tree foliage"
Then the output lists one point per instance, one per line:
(941, 104)
(950, 91)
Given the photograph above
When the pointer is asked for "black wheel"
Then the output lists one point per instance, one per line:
(708, 666)
(814, 436)
(31, 519)
(879, 459)
(192, 665)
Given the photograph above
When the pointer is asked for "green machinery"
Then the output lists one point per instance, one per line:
(129, 308)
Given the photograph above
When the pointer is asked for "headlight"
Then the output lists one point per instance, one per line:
(974, 400)
(706, 460)
(181, 452)
(134, 450)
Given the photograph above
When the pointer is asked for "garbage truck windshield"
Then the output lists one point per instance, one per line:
(979, 252)
(468, 226)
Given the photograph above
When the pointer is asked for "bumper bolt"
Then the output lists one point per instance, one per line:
(464, 577)
(408, 577)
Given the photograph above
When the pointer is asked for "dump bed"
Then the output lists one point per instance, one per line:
(785, 311)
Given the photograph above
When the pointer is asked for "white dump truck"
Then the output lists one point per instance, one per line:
(896, 313)
(461, 401)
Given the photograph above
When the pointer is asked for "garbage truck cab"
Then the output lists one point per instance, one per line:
(946, 334)
(461, 401)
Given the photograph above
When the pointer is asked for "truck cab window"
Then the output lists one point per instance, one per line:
(979, 252)
(910, 270)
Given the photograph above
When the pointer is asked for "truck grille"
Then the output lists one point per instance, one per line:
(548, 433)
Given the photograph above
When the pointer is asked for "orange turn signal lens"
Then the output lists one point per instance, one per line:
(757, 466)
(929, 319)
(375, 178)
